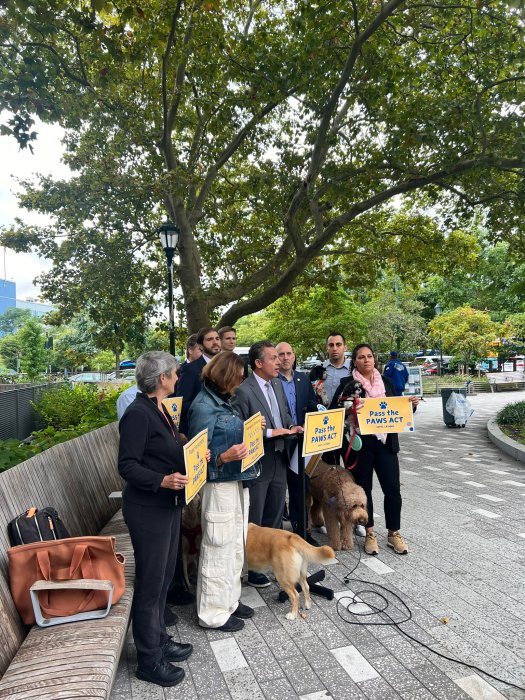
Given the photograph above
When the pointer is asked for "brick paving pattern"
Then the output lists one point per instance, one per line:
(464, 522)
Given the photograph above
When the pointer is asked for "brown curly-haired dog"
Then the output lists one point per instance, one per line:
(337, 502)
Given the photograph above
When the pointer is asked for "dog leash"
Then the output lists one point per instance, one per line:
(351, 441)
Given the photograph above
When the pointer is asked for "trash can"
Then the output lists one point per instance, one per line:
(445, 395)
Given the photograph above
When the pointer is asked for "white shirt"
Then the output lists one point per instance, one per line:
(262, 383)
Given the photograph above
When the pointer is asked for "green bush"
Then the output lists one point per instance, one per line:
(512, 414)
(97, 412)
(66, 405)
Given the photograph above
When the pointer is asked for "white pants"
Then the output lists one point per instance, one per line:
(224, 529)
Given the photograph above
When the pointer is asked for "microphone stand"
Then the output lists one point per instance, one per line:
(313, 579)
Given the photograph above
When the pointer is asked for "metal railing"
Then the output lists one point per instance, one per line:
(18, 418)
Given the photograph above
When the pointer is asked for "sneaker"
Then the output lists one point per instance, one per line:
(371, 546)
(243, 611)
(258, 580)
(170, 618)
(397, 543)
(232, 624)
(360, 530)
(162, 673)
(175, 651)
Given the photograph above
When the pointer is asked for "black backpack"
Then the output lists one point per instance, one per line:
(36, 526)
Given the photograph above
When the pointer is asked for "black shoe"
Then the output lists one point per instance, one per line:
(162, 673)
(258, 580)
(174, 651)
(179, 596)
(232, 624)
(170, 618)
(244, 612)
(311, 540)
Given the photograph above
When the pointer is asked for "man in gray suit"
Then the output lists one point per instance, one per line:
(263, 391)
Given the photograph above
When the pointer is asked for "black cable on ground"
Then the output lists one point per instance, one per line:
(381, 606)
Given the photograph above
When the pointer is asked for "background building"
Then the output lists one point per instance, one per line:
(8, 300)
(7, 295)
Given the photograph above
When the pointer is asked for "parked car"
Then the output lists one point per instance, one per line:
(89, 378)
(311, 361)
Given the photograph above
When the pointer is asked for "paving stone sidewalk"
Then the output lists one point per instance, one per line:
(464, 521)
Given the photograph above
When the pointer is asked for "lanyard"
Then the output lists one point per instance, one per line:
(168, 422)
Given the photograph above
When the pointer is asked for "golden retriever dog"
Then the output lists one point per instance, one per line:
(191, 538)
(288, 556)
(337, 502)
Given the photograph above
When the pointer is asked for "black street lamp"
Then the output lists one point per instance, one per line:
(437, 312)
(169, 234)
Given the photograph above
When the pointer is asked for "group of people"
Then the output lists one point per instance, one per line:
(219, 394)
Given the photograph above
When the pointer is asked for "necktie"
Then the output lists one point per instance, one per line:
(276, 415)
(274, 408)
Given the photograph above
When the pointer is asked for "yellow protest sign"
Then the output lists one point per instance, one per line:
(174, 407)
(391, 414)
(323, 431)
(196, 464)
(253, 439)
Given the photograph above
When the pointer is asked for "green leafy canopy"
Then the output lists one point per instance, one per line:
(274, 134)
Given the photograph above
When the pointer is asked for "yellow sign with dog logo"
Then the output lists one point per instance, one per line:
(196, 463)
(391, 414)
(174, 407)
(323, 431)
(253, 439)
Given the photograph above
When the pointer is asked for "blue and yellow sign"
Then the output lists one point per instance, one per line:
(196, 464)
(391, 414)
(253, 439)
(323, 431)
(174, 407)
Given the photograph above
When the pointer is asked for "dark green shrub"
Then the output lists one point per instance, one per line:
(512, 414)
(66, 405)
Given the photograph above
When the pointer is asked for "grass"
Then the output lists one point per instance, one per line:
(511, 420)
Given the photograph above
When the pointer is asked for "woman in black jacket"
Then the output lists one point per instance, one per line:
(378, 452)
(151, 460)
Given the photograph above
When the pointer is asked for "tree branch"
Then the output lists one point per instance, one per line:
(166, 143)
(225, 156)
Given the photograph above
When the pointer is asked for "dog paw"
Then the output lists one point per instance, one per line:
(291, 616)
(347, 545)
(302, 615)
(308, 604)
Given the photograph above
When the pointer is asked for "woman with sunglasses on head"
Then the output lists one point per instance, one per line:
(378, 452)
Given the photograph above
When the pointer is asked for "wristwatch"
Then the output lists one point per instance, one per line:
(218, 461)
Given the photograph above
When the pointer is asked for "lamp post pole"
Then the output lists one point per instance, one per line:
(437, 312)
(169, 234)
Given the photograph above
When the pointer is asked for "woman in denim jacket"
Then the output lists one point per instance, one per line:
(225, 503)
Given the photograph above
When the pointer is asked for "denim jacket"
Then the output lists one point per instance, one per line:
(225, 429)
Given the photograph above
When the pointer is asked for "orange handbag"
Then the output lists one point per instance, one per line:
(68, 559)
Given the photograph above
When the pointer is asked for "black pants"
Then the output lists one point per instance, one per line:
(295, 497)
(375, 457)
(155, 538)
(268, 491)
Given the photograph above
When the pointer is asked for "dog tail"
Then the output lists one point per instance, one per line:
(322, 555)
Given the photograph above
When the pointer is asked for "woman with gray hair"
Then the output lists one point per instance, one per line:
(151, 461)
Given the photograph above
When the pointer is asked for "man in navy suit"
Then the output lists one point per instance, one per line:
(189, 383)
(301, 399)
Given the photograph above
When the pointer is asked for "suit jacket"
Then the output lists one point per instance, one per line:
(305, 400)
(248, 399)
(188, 387)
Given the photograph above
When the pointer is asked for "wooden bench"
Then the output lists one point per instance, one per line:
(77, 659)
